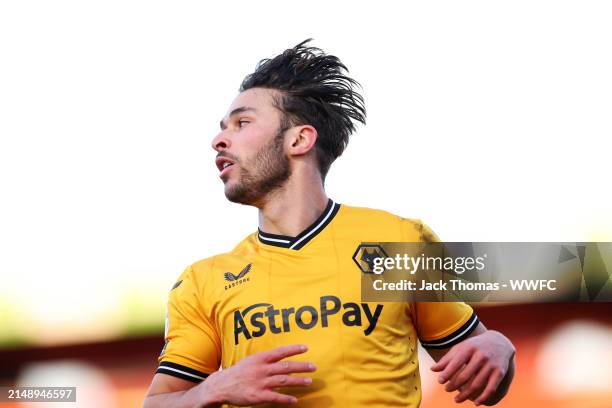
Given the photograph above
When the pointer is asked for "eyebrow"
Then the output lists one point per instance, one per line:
(236, 111)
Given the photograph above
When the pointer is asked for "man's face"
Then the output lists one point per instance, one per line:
(251, 157)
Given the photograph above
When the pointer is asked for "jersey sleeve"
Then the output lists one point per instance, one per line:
(443, 324)
(439, 325)
(414, 230)
(192, 348)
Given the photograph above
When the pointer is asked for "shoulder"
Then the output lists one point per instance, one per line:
(371, 218)
(207, 269)
(364, 215)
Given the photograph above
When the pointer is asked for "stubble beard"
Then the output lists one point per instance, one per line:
(270, 171)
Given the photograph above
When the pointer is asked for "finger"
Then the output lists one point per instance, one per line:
(492, 385)
(466, 394)
(276, 397)
(279, 353)
(439, 366)
(467, 373)
(288, 367)
(450, 385)
(454, 365)
(286, 381)
(475, 387)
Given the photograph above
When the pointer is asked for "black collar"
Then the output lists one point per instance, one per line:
(305, 236)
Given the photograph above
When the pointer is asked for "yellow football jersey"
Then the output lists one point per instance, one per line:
(273, 290)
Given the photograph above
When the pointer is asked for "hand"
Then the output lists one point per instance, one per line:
(476, 366)
(253, 379)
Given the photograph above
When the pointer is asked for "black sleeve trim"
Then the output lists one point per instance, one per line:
(456, 337)
(180, 371)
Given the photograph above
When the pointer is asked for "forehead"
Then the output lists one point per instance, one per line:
(262, 100)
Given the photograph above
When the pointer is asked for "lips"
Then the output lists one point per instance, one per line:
(224, 165)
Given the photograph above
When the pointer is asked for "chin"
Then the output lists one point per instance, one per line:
(234, 194)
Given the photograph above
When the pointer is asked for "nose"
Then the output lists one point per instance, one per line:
(221, 142)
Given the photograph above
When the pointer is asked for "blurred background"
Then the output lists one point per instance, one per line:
(489, 121)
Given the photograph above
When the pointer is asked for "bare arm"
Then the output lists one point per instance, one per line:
(169, 391)
(252, 381)
(481, 367)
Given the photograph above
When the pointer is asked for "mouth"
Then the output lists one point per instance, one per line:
(224, 165)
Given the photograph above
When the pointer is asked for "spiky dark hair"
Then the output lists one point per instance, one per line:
(315, 90)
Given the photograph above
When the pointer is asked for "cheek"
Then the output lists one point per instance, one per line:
(258, 135)
(252, 146)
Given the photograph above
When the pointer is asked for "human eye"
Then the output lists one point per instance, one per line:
(243, 122)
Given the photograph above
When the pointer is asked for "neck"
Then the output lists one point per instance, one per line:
(291, 209)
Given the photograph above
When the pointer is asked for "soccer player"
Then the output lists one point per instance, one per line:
(281, 314)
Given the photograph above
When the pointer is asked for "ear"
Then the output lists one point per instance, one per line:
(302, 139)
